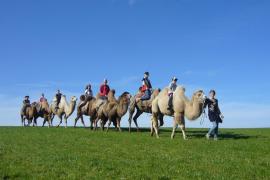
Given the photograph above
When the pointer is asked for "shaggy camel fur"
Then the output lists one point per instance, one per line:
(113, 110)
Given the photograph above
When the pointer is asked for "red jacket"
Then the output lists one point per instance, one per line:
(104, 90)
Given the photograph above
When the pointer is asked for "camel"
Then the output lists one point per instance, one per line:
(36, 110)
(65, 109)
(182, 107)
(141, 107)
(113, 110)
(89, 109)
(29, 115)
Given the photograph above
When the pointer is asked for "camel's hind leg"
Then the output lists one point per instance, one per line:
(66, 118)
(155, 124)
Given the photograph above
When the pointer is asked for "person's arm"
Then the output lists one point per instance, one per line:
(101, 89)
(218, 111)
(206, 103)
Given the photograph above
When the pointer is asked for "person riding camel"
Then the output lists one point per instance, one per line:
(104, 89)
(26, 103)
(58, 96)
(41, 100)
(88, 95)
(146, 88)
(172, 88)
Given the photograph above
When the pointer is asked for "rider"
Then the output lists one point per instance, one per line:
(41, 100)
(26, 103)
(58, 96)
(104, 89)
(146, 88)
(172, 88)
(88, 92)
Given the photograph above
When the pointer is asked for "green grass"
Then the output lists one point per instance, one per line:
(42, 153)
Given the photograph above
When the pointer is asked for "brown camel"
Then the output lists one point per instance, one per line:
(29, 114)
(89, 109)
(182, 107)
(113, 110)
(35, 111)
(142, 107)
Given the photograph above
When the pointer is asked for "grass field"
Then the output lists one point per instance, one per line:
(42, 153)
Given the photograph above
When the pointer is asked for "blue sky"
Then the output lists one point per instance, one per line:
(208, 44)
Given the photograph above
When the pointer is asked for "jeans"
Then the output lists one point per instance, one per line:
(214, 129)
(146, 96)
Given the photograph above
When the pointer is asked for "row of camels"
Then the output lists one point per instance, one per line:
(113, 109)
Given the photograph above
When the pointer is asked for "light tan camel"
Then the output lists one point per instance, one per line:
(142, 107)
(64, 109)
(182, 107)
(113, 110)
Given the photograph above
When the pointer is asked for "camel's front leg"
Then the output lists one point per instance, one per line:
(44, 121)
(23, 121)
(60, 117)
(181, 122)
(137, 115)
(83, 122)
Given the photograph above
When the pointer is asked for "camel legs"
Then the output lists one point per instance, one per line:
(118, 124)
(131, 112)
(180, 120)
(154, 127)
(52, 119)
(175, 125)
(137, 115)
(65, 117)
(23, 120)
(61, 119)
(109, 124)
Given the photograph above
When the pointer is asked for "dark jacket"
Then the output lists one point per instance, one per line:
(147, 83)
(213, 110)
(26, 102)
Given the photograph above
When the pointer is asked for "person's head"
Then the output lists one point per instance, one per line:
(105, 81)
(58, 91)
(26, 97)
(88, 86)
(212, 93)
(146, 74)
(174, 79)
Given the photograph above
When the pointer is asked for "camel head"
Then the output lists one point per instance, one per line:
(199, 96)
(125, 98)
(73, 99)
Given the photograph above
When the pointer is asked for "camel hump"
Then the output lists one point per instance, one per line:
(180, 90)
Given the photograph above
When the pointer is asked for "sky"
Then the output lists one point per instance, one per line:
(208, 44)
